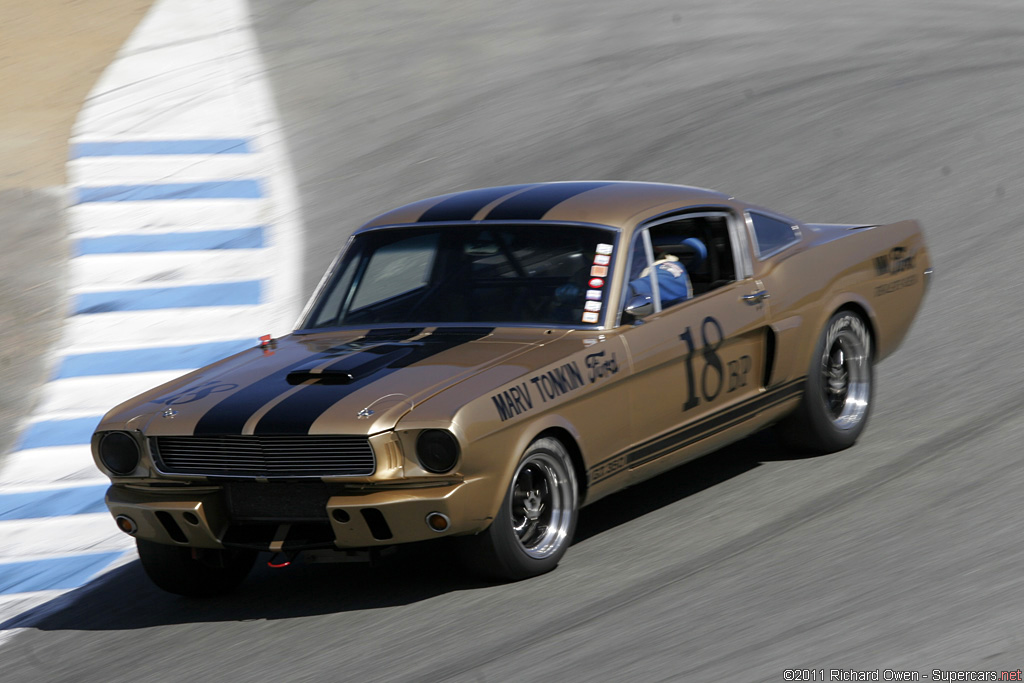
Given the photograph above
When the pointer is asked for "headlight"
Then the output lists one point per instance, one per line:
(119, 452)
(437, 450)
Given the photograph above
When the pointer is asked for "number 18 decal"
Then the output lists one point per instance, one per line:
(711, 375)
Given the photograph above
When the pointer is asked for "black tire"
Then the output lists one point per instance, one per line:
(837, 395)
(537, 519)
(211, 573)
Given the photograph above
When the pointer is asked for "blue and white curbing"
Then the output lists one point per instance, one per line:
(184, 229)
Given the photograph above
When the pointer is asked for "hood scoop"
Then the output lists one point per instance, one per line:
(352, 367)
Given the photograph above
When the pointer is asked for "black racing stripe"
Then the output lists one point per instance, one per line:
(297, 413)
(729, 418)
(690, 434)
(465, 205)
(533, 204)
(370, 360)
(230, 414)
(391, 334)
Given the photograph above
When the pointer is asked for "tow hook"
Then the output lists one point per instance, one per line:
(281, 559)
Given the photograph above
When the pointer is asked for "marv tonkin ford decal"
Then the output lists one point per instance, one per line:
(600, 367)
(549, 385)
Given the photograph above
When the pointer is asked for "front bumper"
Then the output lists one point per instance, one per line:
(213, 517)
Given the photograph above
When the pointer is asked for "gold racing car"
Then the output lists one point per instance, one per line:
(482, 364)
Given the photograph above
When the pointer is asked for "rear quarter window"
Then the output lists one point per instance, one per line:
(772, 234)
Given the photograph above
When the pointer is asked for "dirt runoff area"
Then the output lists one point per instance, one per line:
(51, 53)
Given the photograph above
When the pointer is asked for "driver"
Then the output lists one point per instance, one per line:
(673, 280)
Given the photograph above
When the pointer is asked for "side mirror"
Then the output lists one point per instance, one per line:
(640, 306)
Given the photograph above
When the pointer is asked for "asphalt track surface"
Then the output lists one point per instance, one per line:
(901, 553)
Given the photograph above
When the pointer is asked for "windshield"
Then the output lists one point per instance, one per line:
(469, 274)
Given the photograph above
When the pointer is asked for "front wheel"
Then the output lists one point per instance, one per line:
(838, 391)
(194, 572)
(536, 521)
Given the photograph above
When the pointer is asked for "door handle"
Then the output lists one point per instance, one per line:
(756, 298)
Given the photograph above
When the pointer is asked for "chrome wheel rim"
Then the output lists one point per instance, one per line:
(541, 504)
(846, 379)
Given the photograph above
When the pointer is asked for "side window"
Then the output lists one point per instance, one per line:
(701, 245)
(771, 233)
(397, 268)
(638, 278)
(638, 260)
(693, 255)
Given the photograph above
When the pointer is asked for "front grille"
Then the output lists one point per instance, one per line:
(265, 456)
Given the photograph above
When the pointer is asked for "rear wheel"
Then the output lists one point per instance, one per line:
(838, 391)
(194, 572)
(536, 521)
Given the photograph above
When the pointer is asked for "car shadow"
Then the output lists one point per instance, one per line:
(683, 481)
(124, 599)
